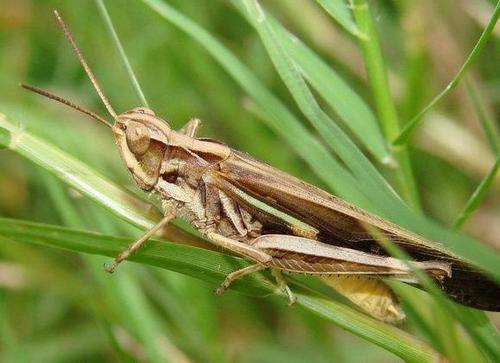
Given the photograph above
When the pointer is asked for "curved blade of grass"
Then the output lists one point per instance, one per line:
(338, 10)
(351, 108)
(483, 39)
(374, 185)
(488, 125)
(476, 197)
(212, 267)
(280, 119)
(116, 41)
(379, 83)
(80, 176)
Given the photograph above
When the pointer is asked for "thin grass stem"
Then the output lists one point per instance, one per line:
(116, 41)
(483, 39)
(476, 197)
(377, 75)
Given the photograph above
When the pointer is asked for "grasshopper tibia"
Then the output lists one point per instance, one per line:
(137, 244)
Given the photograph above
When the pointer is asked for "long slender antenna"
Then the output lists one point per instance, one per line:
(80, 57)
(64, 101)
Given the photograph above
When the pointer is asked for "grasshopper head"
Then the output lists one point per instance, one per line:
(142, 139)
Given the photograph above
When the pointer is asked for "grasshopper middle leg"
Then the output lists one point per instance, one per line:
(263, 261)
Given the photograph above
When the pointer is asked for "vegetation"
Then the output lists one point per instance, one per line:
(390, 105)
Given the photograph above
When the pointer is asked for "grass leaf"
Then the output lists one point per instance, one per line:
(487, 123)
(80, 176)
(133, 79)
(351, 108)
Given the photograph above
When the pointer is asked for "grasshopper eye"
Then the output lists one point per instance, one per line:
(138, 139)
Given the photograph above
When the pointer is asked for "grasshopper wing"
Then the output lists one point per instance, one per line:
(316, 214)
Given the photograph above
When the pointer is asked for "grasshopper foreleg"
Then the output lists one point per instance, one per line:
(138, 244)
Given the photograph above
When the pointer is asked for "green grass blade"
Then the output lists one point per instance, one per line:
(328, 309)
(351, 108)
(483, 39)
(331, 133)
(377, 75)
(212, 267)
(488, 125)
(476, 197)
(338, 10)
(116, 41)
(290, 129)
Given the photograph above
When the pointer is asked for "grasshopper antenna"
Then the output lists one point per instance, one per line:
(65, 102)
(85, 66)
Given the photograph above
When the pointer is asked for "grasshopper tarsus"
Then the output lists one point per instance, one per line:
(283, 286)
(110, 267)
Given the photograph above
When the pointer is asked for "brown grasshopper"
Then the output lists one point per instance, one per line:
(271, 218)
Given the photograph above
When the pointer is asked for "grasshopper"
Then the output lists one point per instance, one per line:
(271, 218)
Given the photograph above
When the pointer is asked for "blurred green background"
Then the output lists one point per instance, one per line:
(58, 306)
